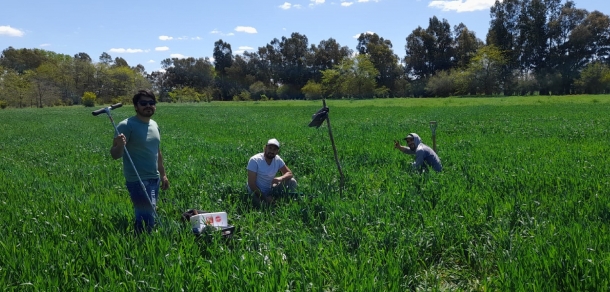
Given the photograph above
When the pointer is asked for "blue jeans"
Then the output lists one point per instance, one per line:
(144, 204)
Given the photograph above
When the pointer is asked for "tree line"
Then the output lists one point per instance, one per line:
(532, 47)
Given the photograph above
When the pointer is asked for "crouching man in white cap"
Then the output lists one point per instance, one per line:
(263, 185)
(424, 155)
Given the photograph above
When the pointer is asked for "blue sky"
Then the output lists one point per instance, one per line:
(146, 32)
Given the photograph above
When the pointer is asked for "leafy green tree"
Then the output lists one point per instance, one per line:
(238, 76)
(383, 58)
(21, 60)
(187, 94)
(504, 33)
(284, 92)
(326, 55)
(119, 62)
(103, 82)
(45, 84)
(294, 68)
(566, 56)
(122, 80)
(594, 78)
(88, 99)
(242, 96)
(486, 69)
(441, 84)
(223, 57)
(466, 45)
(106, 59)
(534, 39)
(258, 67)
(463, 82)
(312, 90)
(83, 73)
(64, 81)
(442, 51)
(402, 87)
(433, 49)
(258, 89)
(418, 59)
(358, 76)
(223, 60)
(190, 72)
(16, 88)
(159, 83)
(331, 82)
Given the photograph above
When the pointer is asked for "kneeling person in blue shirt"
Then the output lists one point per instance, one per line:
(424, 155)
(263, 184)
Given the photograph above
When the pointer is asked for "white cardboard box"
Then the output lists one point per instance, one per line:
(218, 219)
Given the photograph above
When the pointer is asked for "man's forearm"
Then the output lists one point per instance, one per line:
(116, 152)
(406, 150)
(286, 176)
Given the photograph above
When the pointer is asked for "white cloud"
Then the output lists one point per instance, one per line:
(161, 49)
(196, 38)
(246, 29)
(127, 51)
(179, 56)
(242, 49)
(462, 5)
(9, 31)
(215, 31)
(161, 70)
(346, 4)
(364, 1)
(287, 6)
(316, 2)
(358, 35)
(45, 45)
(165, 38)
(151, 61)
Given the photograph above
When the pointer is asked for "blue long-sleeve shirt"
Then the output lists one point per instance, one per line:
(424, 155)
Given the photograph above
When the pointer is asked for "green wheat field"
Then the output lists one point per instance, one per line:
(522, 205)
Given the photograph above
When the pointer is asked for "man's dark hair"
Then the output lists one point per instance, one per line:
(143, 93)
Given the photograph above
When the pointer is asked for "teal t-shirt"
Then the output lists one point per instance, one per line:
(143, 141)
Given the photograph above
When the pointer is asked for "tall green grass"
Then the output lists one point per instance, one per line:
(522, 204)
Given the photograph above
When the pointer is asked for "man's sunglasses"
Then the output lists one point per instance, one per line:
(145, 103)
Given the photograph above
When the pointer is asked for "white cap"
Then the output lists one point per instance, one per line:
(274, 142)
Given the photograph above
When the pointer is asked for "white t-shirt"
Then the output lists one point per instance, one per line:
(264, 172)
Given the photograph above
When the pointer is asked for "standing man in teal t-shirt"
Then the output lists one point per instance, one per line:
(140, 135)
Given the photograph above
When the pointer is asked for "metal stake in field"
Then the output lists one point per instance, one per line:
(433, 129)
(116, 133)
(316, 121)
